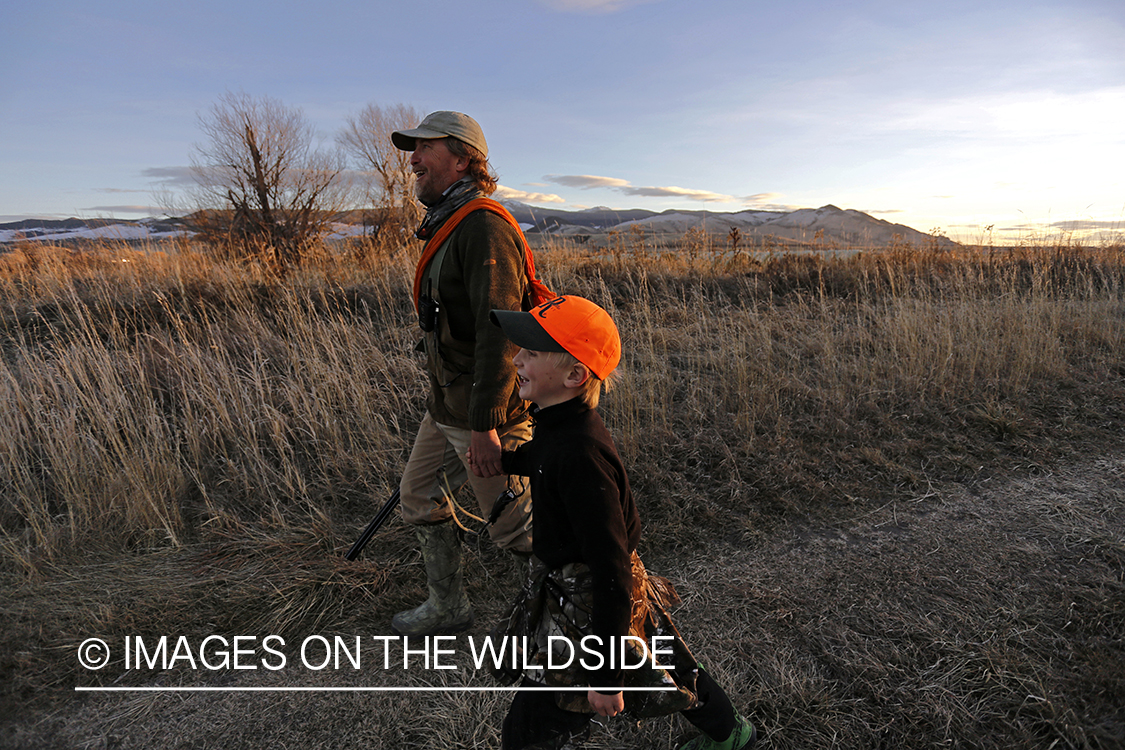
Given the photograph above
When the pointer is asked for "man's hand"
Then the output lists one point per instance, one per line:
(606, 705)
(484, 454)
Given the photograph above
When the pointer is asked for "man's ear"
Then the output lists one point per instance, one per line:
(578, 375)
(461, 165)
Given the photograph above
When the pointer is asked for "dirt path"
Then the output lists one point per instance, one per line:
(984, 615)
(990, 615)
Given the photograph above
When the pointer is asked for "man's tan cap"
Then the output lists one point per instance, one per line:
(442, 124)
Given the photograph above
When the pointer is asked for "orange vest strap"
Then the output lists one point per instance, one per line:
(439, 238)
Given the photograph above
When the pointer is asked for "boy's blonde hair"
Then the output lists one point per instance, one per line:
(590, 392)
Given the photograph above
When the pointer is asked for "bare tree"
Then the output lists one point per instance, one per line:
(261, 186)
(390, 185)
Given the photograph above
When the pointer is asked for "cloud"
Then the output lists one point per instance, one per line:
(589, 182)
(1079, 224)
(586, 181)
(762, 198)
(672, 191)
(1025, 116)
(767, 202)
(170, 175)
(591, 6)
(525, 197)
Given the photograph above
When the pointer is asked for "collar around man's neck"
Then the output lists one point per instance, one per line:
(455, 196)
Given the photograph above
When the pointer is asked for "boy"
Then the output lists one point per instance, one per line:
(587, 579)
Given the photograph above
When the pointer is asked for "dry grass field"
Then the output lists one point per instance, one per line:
(889, 485)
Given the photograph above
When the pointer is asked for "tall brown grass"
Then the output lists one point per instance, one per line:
(156, 393)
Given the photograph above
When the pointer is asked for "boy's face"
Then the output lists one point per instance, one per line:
(542, 381)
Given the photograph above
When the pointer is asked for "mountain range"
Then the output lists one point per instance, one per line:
(827, 225)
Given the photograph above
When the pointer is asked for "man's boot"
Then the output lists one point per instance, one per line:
(447, 610)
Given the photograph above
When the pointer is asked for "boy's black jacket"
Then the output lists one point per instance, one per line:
(583, 510)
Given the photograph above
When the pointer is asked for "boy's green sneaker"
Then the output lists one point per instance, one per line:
(742, 737)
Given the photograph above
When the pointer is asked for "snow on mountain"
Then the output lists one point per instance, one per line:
(108, 229)
(828, 225)
(110, 232)
(88, 229)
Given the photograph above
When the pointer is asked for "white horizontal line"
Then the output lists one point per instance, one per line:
(313, 689)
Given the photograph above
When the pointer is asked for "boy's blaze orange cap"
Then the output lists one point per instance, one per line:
(566, 324)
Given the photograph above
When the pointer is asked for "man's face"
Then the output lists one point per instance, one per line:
(435, 169)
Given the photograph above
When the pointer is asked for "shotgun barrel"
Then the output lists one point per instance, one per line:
(379, 519)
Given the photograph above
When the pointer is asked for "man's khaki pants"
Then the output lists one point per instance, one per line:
(437, 466)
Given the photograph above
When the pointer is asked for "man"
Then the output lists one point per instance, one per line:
(472, 263)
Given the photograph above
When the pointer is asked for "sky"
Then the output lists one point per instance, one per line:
(974, 119)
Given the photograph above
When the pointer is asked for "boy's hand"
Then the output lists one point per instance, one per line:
(606, 705)
(484, 454)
